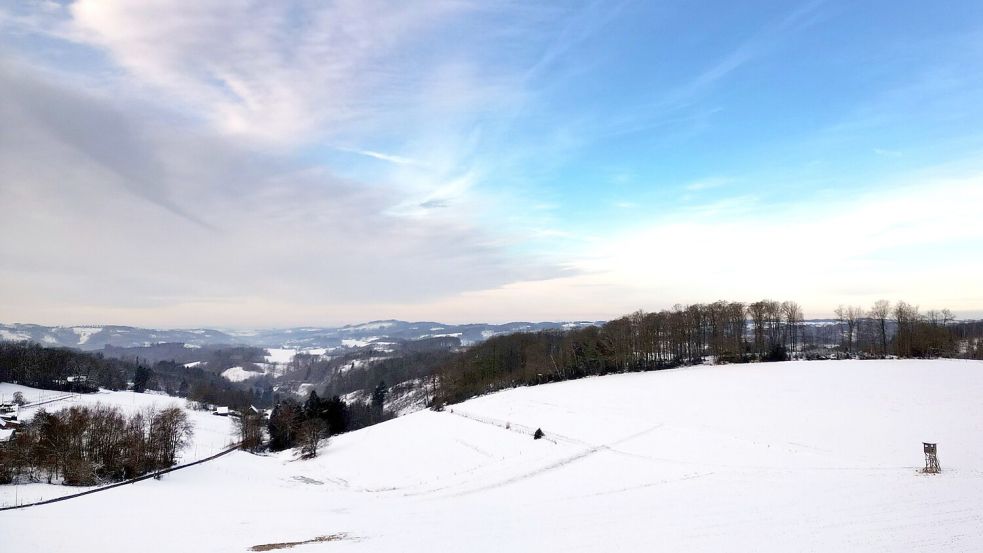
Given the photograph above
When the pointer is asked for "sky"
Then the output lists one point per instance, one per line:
(188, 163)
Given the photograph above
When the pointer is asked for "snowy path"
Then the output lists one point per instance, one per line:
(90, 491)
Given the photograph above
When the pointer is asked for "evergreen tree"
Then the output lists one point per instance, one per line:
(379, 396)
(140, 379)
(336, 415)
(313, 407)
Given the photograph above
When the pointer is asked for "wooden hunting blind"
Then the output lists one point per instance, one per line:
(931, 459)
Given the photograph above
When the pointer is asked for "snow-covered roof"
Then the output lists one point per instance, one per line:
(6, 434)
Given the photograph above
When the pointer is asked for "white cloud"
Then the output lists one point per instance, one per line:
(271, 71)
(141, 214)
(914, 241)
(391, 158)
(188, 184)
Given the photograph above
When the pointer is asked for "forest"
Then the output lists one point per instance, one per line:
(295, 424)
(719, 332)
(83, 446)
(34, 365)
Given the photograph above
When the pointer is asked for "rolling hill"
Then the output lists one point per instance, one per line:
(796, 456)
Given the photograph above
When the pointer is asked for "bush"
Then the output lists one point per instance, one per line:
(777, 353)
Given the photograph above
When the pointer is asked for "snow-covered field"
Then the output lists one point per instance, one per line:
(280, 355)
(238, 374)
(800, 456)
(211, 433)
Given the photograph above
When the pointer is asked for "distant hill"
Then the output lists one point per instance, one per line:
(98, 337)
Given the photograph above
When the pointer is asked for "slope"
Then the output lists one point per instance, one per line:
(803, 456)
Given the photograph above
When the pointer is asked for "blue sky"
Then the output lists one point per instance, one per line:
(179, 163)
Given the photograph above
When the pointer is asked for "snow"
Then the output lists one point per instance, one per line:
(85, 332)
(352, 343)
(13, 336)
(798, 456)
(449, 335)
(360, 363)
(280, 355)
(238, 374)
(193, 364)
(211, 434)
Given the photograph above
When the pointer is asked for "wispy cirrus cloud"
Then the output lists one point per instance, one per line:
(139, 212)
(280, 72)
(351, 157)
(708, 183)
(381, 156)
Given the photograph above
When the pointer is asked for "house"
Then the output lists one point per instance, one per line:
(8, 426)
(221, 411)
(9, 411)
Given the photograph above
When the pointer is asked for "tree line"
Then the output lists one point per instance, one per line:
(719, 332)
(83, 446)
(902, 330)
(50, 368)
(294, 424)
(34, 365)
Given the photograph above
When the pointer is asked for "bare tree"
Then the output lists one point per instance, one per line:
(312, 431)
(758, 311)
(879, 313)
(170, 432)
(905, 315)
(793, 321)
(851, 317)
(947, 317)
(249, 427)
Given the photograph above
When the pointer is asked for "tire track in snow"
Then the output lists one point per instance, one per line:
(508, 425)
(557, 438)
(552, 437)
(646, 485)
(533, 473)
